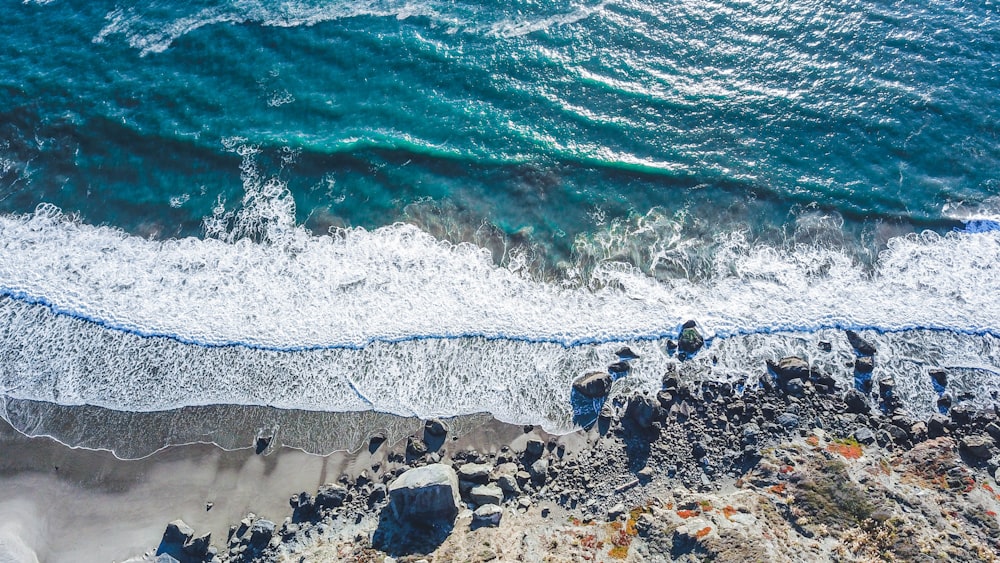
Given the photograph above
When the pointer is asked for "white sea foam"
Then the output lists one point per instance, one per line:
(395, 320)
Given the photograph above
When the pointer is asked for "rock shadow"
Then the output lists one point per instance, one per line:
(401, 538)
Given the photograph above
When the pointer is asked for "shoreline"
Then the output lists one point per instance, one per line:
(653, 464)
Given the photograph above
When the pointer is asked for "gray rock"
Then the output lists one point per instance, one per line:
(330, 495)
(539, 471)
(475, 472)
(593, 385)
(788, 420)
(978, 445)
(488, 515)
(508, 484)
(426, 493)
(856, 402)
(790, 367)
(795, 387)
(863, 347)
(486, 494)
(415, 447)
(864, 435)
(937, 425)
(994, 431)
(897, 434)
(178, 532)
(939, 376)
(261, 532)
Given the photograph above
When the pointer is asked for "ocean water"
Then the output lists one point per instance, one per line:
(426, 208)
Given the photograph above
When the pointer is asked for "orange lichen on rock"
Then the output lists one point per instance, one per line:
(847, 447)
(687, 513)
(703, 532)
(728, 511)
(813, 441)
(618, 552)
(778, 489)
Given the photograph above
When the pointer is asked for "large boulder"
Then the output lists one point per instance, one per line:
(426, 493)
(593, 385)
(790, 368)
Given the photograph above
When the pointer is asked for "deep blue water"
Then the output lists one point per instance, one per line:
(534, 115)
(759, 166)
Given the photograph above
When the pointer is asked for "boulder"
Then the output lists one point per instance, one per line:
(486, 494)
(626, 354)
(619, 368)
(939, 377)
(856, 402)
(487, 515)
(330, 496)
(435, 427)
(690, 340)
(789, 368)
(862, 346)
(977, 445)
(425, 493)
(534, 448)
(864, 364)
(593, 385)
(937, 425)
(475, 472)
(643, 410)
(198, 547)
(415, 447)
(539, 471)
(178, 532)
(864, 435)
(508, 484)
(261, 532)
(788, 420)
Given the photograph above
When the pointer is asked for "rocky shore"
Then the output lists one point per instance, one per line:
(792, 467)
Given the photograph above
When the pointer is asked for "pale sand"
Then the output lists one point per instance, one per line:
(96, 507)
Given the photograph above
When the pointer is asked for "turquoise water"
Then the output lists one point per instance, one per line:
(198, 199)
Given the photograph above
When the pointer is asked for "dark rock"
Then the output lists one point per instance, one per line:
(689, 324)
(665, 399)
(670, 381)
(375, 441)
(534, 448)
(789, 368)
(794, 387)
(937, 425)
(427, 493)
(593, 385)
(886, 387)
(862, 346)
(939, 377)
(864, 435)
(993, 429)
(415, 447)
(690, 340)
(539, 471)
(619, 368)
(435, 427)
(856, 402)
(897, 434)
(978, 445)
(944, 403)
(331, 496)
(198, 547)
(643, 410)
(824, 345)
(626, 353)
(699, 450)
(178, 532)
(864, 364)
(788, 420)
(962, 415)
(261, 532)
(261, 444)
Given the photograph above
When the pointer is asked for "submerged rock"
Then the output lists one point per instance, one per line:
(426, 493)
(789, 368)
(862, 346)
